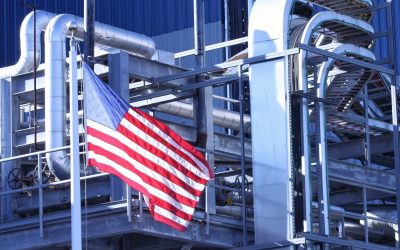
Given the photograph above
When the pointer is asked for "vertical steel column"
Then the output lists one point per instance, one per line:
(119, 81)
(367, 138)
(128, 203)
(365, 210)
(6, 146)
(88, 16)
(393, 84)
(40, 179)
(242, 155)
(76, 220)
(367, 158)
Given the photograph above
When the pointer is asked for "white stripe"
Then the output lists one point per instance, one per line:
(167, 214)
(150, 156)
(146, 137)
(132, 176)
(142, 168)
(168, 139)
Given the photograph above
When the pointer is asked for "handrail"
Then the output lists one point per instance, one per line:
(213, 47)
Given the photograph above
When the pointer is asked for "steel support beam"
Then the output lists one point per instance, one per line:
(147, 70)
(345, 242)
(362, 176)
(356, 148)
(119, 81)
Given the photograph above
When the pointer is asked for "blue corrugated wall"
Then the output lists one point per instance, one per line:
(153, 18)
(150, 17)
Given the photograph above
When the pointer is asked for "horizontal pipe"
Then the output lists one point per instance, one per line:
(223, 118)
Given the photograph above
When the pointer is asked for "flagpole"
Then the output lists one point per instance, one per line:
(76, 223)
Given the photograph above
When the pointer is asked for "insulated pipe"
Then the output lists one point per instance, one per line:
(55, 94)
(311, 26)
(26, 61)
(223, 118)
(388, 225)
(270, 122)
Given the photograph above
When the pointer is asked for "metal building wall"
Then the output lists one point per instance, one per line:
(380, 24)
(150, 17)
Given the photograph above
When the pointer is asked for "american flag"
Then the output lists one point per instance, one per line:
(144, 153)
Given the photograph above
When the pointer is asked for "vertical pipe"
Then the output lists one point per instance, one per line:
(76, 223)
(249, 7)
(242, 155)
(34, 78)
(203, 101)
(367, 138)
(199, 43)
(228, 87)
(341, 227)
(40, 180)
(323, 193)
(226, 28)
(200, 105)
(305, 160)
(89, 30)
(393, 55)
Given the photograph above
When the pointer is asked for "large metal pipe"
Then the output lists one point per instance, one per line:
(55, 94)
(270, 121)
(26, 34)
(223, 118)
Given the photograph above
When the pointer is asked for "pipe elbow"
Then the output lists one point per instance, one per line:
(26, 61)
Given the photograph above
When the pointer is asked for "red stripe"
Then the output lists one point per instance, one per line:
(161, 140)
(144, 177)
(143, 160)
(160, 154)
(174, 136)
(152, 199)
